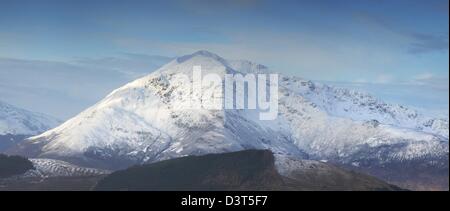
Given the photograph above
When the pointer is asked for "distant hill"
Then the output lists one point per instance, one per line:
(243, 170)
(13, 165)
(18, 121)
(17, 124)
(20, 174)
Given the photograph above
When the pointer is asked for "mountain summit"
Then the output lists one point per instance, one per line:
(142, 122)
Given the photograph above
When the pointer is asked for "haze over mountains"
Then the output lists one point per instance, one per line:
(141, 123)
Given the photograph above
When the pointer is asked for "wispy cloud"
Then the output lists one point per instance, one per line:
(427, 79)
(417, 42)
(384, 79)
(202, 7)
(432, 80)
(424, 43)
(63, 89)
(132, 65)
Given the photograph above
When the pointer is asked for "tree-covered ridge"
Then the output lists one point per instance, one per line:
(13, 165)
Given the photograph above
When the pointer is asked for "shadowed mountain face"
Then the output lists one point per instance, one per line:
(411, 174)
(244, 170)
(8, 140)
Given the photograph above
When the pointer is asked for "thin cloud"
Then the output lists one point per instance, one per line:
(384, 79)
(425, 43)
(63, 89)
(131, 65)
(207, 7)
(432, 80)
(418, 42)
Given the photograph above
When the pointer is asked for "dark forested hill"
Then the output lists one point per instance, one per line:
(13, 165)
(244, 170)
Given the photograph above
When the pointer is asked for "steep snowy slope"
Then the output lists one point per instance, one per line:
(145, 121)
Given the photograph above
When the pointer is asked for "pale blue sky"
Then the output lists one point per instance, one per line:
(49, 47)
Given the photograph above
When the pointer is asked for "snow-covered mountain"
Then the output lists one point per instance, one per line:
(14, 120)
(336, 123)
(16, 124)
(142, 122)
